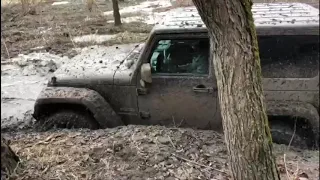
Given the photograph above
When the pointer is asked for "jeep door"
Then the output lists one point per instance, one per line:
(183, 89)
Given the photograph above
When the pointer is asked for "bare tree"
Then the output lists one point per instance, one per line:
(235, 54)
(9, 159)
(116, 13)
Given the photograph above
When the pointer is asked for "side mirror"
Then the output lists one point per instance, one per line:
(146, 73)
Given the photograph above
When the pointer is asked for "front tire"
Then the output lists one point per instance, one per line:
(67, 119)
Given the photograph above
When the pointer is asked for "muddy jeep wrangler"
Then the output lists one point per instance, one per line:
(158, 83)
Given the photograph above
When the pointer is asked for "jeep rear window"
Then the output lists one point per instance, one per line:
(289, 56)
(181, 57)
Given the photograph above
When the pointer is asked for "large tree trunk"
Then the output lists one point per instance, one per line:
(234, 50)
(9, 159)
(116, 13)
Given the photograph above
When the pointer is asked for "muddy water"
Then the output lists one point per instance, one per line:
(23, 77)
(18, 94)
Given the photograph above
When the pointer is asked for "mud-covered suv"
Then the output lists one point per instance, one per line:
(164, 81)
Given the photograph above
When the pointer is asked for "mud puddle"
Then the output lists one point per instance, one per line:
(18, 94)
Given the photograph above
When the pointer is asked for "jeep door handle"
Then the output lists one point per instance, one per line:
(202, 89)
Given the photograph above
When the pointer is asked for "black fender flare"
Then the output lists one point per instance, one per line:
(296, 109)
(92, 100)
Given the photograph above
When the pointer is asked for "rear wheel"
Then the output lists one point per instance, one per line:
(282, 134)
(67, 119)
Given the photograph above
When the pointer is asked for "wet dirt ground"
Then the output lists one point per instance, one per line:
(38, 43)
(138, 152)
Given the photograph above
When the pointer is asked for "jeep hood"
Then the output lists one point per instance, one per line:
(101, 66)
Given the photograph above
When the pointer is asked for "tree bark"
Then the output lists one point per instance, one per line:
(116, 13)
(9, 160)
(235, 55)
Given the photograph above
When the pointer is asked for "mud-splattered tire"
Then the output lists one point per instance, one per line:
(282, 134)
(67, 119)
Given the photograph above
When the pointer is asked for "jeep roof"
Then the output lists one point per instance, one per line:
(270, 18)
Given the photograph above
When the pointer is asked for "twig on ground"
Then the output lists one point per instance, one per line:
(196, 163)
(106, 163)
(16, 168)
(180, 122)
(284, 155)
(294, 132)
(285, 165)
(113, 149)
(74, 176)
(296, 174)
(48, 140)
(45, 170)
(5, 46)
(172, 142)
(156, 141)
(174, 122)
(73, 43)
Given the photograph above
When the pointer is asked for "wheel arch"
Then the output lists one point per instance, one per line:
(46, 109)
(53, 98)
(304, 114)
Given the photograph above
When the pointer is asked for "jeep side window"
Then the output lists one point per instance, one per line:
(289, 56)
(181, 57)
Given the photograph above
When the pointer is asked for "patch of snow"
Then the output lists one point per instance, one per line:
(33, 64)
(59, 3)
(43, 30)
(87, 18)
(130, 19)
(150, 19)
(93, 38)
(147, 8)
(37, 48)
(8, 68)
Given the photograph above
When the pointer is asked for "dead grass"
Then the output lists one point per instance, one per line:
(125, 153)
(136, 152)
(128, 37)
(53, 26)
(90, 4)
(19, 2)
(120, 38)
(183, 3)
(125, 15)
